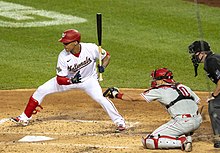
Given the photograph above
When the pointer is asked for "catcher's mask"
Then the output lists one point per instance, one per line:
(70, 35)
(198, 47)
(161, 74)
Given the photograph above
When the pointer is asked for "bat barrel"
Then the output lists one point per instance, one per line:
(99, 28)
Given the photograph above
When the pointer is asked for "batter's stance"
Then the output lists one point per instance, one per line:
(201, 53)
(76, 69)
(180, 102)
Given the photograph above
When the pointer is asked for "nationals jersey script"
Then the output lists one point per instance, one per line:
(68, 64)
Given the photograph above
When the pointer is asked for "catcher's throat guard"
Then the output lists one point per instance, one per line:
(198, 47)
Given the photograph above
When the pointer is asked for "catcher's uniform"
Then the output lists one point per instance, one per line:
(181, 103)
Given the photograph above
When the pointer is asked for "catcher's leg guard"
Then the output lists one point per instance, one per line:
(163, 142)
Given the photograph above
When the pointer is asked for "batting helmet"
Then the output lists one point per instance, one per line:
(163, 74)
(70, 36)
(198, 46)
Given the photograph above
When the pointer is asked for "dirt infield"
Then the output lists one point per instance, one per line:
(78, 124)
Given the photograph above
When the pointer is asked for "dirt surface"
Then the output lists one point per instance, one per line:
(79, 124)
(213, 3)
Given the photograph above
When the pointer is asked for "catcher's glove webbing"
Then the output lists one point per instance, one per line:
(111, 92)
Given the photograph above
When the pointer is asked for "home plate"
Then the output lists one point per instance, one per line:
(29, 138)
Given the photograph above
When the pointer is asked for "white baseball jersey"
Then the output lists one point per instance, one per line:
(68, 64)
(166, 94)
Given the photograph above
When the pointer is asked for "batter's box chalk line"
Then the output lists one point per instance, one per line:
(85, 145)
(128, 124)
(4, 120)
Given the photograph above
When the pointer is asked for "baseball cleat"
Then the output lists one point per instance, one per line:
(217, 144)
(143, 141)
(187, 147)
(19, 121)
(120, 128)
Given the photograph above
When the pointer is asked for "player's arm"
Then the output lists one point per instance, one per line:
(63, 80)
(133, 97)
(62, 73)
(216, 91)
(214, 66)
(113, 92)
(105, 62)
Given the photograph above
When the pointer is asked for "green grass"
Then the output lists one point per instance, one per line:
(140, 36)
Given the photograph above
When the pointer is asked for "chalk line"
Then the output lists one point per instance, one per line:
(4, 120)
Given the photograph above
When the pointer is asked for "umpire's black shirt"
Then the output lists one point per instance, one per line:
(212, 66)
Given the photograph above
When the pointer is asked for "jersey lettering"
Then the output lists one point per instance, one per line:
(77, 67)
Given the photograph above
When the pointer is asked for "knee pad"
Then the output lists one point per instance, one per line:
(163, 142)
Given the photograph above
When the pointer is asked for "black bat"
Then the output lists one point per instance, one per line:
(99, 28)
(99, 32)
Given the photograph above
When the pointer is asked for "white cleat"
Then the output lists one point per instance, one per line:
(188, 147)
(120, 128)
(19, 121)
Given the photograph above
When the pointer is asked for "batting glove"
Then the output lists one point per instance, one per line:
(101, 68)
(76, 78)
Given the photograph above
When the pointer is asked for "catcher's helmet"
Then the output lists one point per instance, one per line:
(198, 46)
(163, 74)
(70, 36)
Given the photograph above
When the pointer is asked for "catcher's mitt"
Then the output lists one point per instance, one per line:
(111, 92)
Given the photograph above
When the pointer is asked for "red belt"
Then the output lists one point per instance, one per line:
(186, 115)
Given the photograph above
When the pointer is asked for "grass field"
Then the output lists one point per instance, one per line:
(140, 36)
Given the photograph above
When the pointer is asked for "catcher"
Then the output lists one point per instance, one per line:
(181, 103)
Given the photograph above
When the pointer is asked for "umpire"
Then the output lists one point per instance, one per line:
(201, 53)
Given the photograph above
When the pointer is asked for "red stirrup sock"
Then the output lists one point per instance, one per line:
(31, 107)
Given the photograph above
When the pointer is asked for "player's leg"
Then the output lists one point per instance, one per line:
(93, 89)
(168, 136)
(36, 99)
(163, 142)
(214, 114)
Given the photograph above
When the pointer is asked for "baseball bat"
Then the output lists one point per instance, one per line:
(99, 32)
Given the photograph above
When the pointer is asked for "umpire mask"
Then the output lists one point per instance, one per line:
(194, 48)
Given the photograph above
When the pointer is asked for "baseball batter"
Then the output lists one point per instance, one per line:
(76, 69)
(180, 102)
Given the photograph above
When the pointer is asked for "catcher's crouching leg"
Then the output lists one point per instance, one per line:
(164, 142)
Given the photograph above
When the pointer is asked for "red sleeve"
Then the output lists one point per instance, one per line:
(61, 80)
(107, 53)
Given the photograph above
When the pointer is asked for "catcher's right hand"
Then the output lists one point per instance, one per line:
(111, 92)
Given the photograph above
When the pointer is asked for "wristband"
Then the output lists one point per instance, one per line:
(119, 95)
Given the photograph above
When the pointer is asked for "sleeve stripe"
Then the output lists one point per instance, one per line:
(142, 94)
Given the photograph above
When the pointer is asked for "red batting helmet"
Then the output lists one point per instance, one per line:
(70, 36)
(162, 74)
